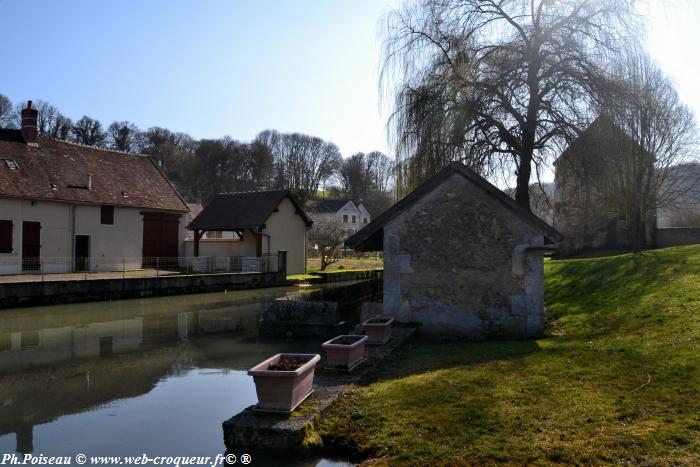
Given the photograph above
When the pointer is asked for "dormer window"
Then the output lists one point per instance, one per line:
(11, 164)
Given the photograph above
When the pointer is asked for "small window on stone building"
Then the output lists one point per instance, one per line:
(107, 215)
(365, 220)
(345, 218)
(5, 236)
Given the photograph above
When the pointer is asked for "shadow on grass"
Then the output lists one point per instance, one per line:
(622, 386)
(431, 356)
(558, 400)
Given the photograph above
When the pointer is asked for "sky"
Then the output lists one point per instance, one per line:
(231, 67)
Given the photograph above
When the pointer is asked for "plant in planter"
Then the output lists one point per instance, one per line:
(284, 381)
(346, 351)
(378, 330)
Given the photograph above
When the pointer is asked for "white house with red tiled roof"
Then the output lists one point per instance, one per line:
(66, 207)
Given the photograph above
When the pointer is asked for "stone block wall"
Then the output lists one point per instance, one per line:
(462, 264)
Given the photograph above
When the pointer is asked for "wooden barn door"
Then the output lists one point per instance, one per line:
(160, 238)
(31, 245)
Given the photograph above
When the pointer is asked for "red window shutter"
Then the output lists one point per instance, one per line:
(5, 236)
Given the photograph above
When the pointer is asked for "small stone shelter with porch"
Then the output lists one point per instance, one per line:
(263, 223)
(462, 258)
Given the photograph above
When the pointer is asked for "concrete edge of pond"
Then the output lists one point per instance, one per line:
(248, 431)
(54, 292)
(326, 277)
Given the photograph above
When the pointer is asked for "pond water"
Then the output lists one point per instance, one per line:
(155, 376)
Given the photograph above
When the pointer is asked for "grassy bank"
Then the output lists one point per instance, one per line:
(345, 264)
(617, 381)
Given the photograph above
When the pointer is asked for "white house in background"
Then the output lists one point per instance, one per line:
(260, 223)
(352, 216)
(66, 207)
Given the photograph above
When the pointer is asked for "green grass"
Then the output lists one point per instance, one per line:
(302, 277)
(345, 264)
(620, 383)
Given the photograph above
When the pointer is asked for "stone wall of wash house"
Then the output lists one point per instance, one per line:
(457, 262)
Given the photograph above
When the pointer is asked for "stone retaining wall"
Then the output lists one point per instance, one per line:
(320, 313)
(677, 236)
(18, 294)
(350, 275)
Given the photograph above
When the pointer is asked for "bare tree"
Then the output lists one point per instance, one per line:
(497, 84)
(326, 237)
(122, 136)
(8, 118)
(301, 162)
(356, 176)
(658, 134)
(61, 128)
(367, 178)
(161, 145)
(50, 121)
(88, 131)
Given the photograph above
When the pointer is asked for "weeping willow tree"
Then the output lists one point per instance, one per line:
(500, 85)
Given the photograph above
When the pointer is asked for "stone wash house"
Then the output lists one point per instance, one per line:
(252, 224)
(582, 210)
(67, 207)
(462, 258)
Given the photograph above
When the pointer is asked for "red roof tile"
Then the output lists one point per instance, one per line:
(58, 171)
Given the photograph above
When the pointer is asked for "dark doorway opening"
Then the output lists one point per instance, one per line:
(82, 252)
(31, 246)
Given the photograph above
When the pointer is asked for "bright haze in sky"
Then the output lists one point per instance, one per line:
(214, 68)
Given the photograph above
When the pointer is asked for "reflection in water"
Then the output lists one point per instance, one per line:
(155, 376)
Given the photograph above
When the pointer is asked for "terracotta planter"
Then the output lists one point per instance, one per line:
(282, 390)
(378, 330)
(345, 351)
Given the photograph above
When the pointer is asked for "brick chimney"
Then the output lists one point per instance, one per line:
(29, 128)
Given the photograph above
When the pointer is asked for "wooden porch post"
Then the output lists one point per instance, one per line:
(258, 243)
(198, 234)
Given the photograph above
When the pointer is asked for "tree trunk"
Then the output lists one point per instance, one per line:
(522, 189)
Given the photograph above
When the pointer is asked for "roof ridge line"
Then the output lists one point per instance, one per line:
(252, 191)
(75, 143)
